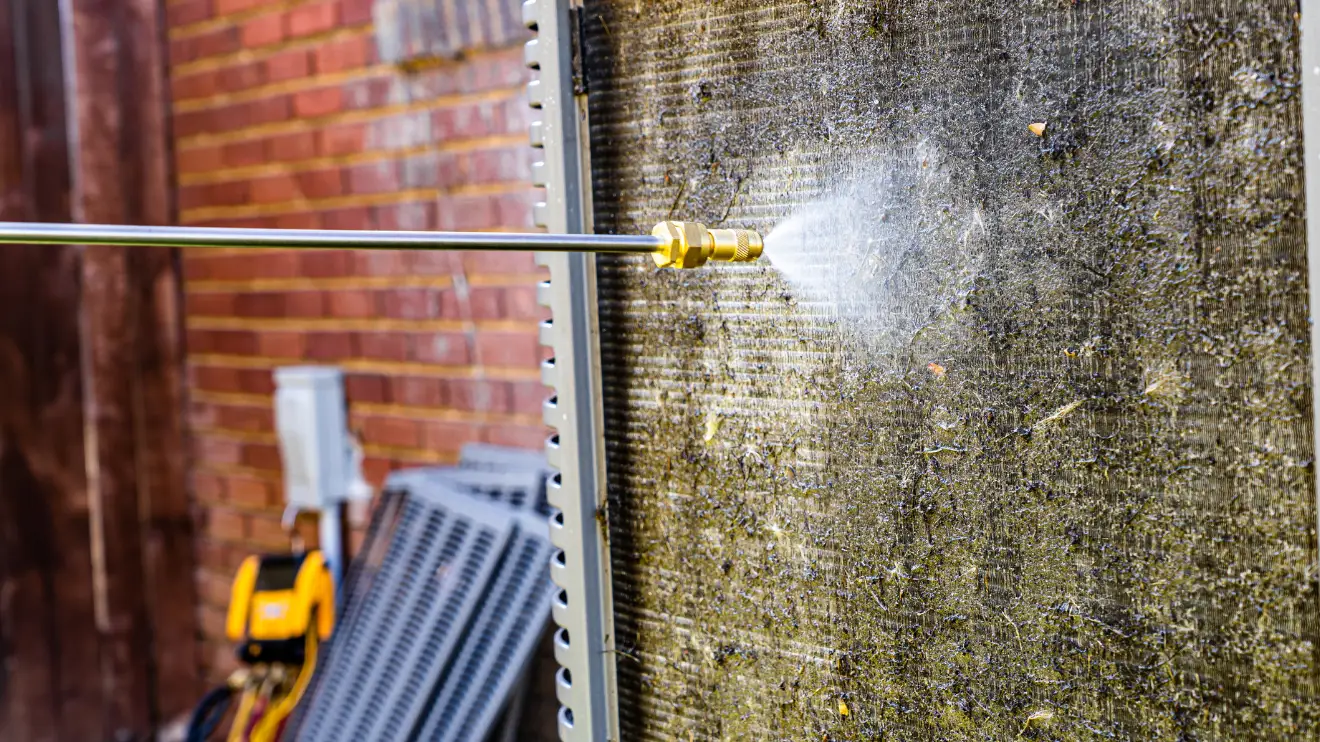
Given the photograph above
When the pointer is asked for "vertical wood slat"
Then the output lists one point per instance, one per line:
(131, 337)
(48, 648)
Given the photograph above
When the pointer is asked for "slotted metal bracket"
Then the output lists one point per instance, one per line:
(584, 643)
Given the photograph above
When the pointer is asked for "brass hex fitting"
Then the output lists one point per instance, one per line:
(690, 245)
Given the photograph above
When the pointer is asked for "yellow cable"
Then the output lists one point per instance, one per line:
(238, 732)
(268, 729)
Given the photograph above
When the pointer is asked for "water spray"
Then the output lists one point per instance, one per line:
(670, 244)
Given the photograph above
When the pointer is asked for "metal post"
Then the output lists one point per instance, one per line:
(105, 234)
(584, 646)
(1310, 45)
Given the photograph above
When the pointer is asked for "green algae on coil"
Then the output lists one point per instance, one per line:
(1099, 522)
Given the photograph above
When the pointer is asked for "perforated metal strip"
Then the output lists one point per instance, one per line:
(378, 681)
(584, 645)
(500, 642)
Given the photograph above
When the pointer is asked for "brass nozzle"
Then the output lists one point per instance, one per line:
(690, 245)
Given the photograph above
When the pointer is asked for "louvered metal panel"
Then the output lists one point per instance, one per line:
(521, 490)
(380, 675)
(500, 642)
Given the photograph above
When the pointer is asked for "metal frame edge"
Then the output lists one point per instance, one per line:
(584, 644)
(1310, 50)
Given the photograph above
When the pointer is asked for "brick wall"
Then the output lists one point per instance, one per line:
(285, 117)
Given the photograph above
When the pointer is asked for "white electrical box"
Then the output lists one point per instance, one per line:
(321, 466)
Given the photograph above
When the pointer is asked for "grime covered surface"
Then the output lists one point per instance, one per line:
(1045, 473)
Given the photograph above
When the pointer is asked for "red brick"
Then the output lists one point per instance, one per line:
(320, 102)
(261, 456)
(374, 177)
(240, 77)
(381, 345)
(288, 65)
(303, 220)
(410, 303)
(304, 304)
(396, 432)
(323, 183)
(259, 304)
(477, 395)
(352, 217)
(467, 214)
(415, 216)
(298, 145)
(281, 344)
(274, 189)
(214, 379)
(208, 487)
(218, 557)
(527, 397)
(209, 305)
(486, 302)
(515, 210)
(244, 153)
(439, 435)
(276, 265)
(484, 262)
(229, 7)
(375, 469)
(191, 123)
(187, 12)
(365, 388)
(244, 418)
(345, 54)
(354, 12)
(225, 525)
(267, 531)
(498, 165)
(443, 348)
(327, 264)
(434, 263)
(256, 381)
(520, 303)
(463, 121)
(213, 43)
(416, 391)
(311, 19)
(329, 346)
(202, 84)
(225, 342)
(379, 262)
(181, 51)
(372, 92)
(352, 303)
(251, 493)
(344, 139)
(268, 110)
(199, 159)
(432, 170)
(519, 436)
(517, 349)
(263, 30)
(211, 620)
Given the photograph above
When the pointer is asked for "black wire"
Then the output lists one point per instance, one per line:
(208, 714)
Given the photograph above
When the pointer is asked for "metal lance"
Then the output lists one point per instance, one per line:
(671, 244)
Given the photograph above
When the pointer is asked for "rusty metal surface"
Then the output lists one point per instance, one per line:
(1076, 500)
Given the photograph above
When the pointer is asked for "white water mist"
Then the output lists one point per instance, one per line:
(885, 253)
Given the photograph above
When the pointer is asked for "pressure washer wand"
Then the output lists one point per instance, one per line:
(676, 244)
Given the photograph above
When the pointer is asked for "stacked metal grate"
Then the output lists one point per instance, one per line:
(443, 608)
